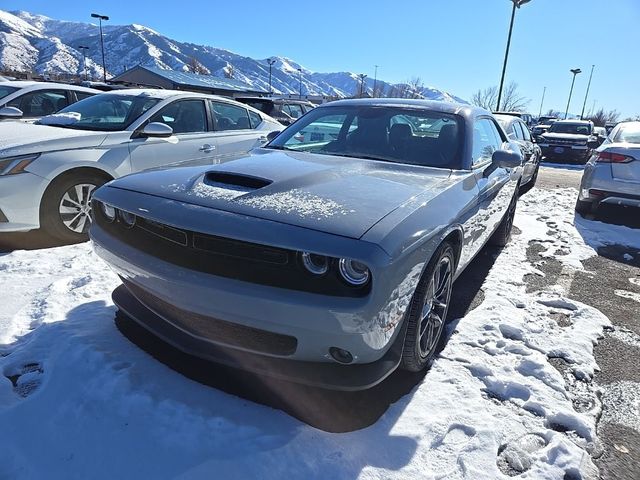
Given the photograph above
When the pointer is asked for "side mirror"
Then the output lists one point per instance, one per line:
(157, 129)
(10, 112)
(593, 143)
(272, 135)
(506, 159)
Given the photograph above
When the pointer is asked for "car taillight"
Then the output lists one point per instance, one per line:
(610, 157)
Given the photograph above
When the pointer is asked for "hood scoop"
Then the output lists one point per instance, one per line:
(235, 180)
(227, 185)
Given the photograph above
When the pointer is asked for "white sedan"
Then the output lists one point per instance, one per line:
(29, 100)
(49, 170)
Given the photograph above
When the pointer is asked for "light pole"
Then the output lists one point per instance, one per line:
(300, 81)
(575, 72)
(518, 4)
(375, 80)
(587, 94)
(270, 61)
(100, 19)
(544, 90)
(84, 50)
(362, 77)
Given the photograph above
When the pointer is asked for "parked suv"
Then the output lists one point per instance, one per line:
(568, 140)
(285, 110)
(31, 100)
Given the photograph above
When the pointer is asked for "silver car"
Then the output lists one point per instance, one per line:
(49, 170)
(326, 261)
(612, 175)
(517, 131)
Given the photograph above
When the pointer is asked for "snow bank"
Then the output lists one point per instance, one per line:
(79, 400)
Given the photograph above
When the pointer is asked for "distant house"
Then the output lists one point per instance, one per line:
(193, 82)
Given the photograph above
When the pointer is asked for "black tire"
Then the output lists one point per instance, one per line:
(584, 208)
(52, 218)
(502, 235)
(531, 183)
(418, 350)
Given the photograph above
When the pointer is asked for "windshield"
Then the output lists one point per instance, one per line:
(393, 134)
(106, 112)
(574, 128)
(628, 134)
(6, 90)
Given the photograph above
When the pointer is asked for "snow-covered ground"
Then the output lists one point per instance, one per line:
(78, 400)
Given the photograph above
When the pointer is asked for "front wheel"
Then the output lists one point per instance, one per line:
(65, 212)
(428, 310)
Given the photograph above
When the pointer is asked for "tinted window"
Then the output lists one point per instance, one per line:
(6, 90)
(255, 119)
(184, 116)
(40, 103)
(106, 112)
(393, 134)
(486, 140)
(525, 132)
(230, 117)
(573, 128)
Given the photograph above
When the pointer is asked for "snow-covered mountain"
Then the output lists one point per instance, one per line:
(30, 42)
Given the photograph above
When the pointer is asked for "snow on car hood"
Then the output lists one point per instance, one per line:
(19, 138)
(332, 194)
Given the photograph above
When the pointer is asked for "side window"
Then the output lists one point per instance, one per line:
(83, 95)
(41, 102)
(184, 116)
(230, 117)
(296, 110)
(525, 132)
(255, 119)
(512, 132)
(517, 127)
(285, 108)
(486, 140)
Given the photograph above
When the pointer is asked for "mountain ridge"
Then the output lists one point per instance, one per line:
(33, 42)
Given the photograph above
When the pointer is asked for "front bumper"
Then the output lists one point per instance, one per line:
(567, 152)
(318, 374)
(20, 197)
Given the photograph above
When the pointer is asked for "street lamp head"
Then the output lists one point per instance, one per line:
(101, 17)
(519, 3)
(576, 71)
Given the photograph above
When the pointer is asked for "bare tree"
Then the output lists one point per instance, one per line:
(485, 98)
(512, 100)
(602, 117)
(551, 113)
(195, 66)
(411, 88)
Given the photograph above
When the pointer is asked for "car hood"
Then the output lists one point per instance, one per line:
(564, 136)
(19, 138)
(337, 195)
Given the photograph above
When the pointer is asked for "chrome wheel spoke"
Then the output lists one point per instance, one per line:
(75, 207)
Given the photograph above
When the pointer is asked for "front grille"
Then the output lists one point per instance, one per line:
(3, 217)
(565, 142)
(227, 257)
(216, 330)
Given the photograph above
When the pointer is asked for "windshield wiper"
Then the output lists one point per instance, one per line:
(280, 147)
(360, 155)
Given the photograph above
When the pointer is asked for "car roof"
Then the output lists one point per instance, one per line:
(508, 117)
(33, 83)
(464, 110)
(585, 122)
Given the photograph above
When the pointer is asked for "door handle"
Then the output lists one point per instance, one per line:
(206, 148)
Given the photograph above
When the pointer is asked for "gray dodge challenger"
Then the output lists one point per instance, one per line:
(328, 256)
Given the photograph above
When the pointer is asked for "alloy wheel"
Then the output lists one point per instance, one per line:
(75, 207)
(436, 305)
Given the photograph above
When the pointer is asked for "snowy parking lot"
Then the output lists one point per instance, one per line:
(512, 391)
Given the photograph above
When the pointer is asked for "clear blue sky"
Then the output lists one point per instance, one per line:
(456, 45)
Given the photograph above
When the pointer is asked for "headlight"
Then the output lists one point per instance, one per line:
(353, 272)
(108, 211)
(127, 219)
(14, 165)
(316, 264)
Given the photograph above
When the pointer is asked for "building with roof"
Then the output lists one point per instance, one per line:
(174, 80)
